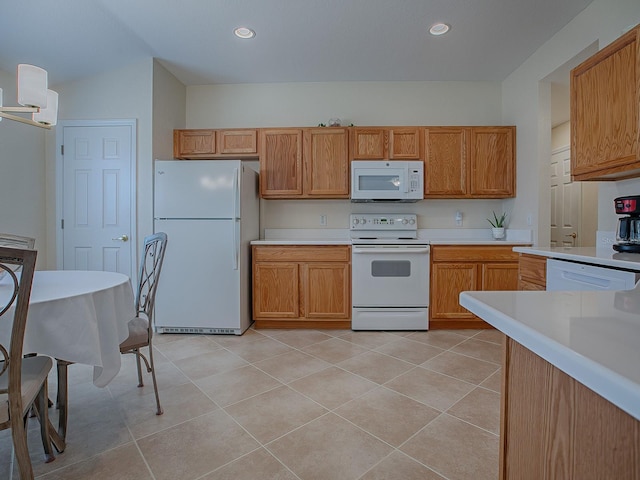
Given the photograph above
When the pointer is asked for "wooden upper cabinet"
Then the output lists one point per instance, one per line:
(445, 161)
(194, 144)
(326, 162)
(492, 160)
(605, 112)
(404, 143)
(280, 163)
(240, 142)
(369, 143)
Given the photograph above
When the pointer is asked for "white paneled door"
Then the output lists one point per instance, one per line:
(97, 198)
(566, 201)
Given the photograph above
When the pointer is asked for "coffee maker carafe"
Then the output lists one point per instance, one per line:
(628, 234)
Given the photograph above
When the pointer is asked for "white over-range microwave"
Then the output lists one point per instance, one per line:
(387, 181)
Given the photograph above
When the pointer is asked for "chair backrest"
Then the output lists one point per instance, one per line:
(14, 306)
(16, 241)
(150, 267)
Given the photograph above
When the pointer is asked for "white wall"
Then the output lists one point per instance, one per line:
(22, 175)
(360, 103)
(526, 103)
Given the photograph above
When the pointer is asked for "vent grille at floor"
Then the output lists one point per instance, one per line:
(206, 331)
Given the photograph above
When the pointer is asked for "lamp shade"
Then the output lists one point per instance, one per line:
(32, 86)
(49, 114)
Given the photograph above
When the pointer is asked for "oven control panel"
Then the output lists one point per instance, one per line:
(370, 221)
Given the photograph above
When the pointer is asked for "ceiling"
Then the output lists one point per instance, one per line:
(296, 41)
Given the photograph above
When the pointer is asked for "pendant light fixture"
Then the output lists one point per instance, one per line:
(34, 96)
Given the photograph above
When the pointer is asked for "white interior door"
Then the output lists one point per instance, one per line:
(97, 204)
(566, 201)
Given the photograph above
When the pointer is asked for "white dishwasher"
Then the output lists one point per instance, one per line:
(571, 276)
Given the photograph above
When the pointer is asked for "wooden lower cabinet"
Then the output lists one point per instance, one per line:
(553, 427)
(456, 269)
(302, 286)
(532, 272)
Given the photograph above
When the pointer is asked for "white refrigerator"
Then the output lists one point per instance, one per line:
(210, 212)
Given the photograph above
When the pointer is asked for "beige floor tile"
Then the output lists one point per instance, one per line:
(494, 382)
(257, 464)
(444, 339)
(468, 332)
(487, 351)
(398, 466)
(368, 339)
(274, 413)
(332, 387)
(300, 339)
(329, 448)
(455, 449)
(388, 415)
(409, 350)
(459, 366)
(195, 448)
(376, 367)
(236, 385)
(334, 350)
(490, 335)
(126, 382)
(180, 404)
(122, 463)
(208, 364)
(481, 408)
(291, 366)
(431, 388)
(187, 347)
(258, 349)
(248, 336)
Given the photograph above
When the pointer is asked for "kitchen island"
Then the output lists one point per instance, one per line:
(571, 382)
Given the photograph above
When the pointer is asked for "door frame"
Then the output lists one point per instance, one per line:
(132, 124)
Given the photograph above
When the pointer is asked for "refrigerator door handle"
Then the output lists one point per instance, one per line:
(236, 193)
(236, 243)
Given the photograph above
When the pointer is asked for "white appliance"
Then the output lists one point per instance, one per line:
(387, 181)
(571, 276)
(390, 273)
(209, 211)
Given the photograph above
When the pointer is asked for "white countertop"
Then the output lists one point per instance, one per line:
(605, 256)
(592, 336)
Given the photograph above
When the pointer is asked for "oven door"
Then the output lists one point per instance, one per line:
(390, 275)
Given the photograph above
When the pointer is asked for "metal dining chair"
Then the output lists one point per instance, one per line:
(23, 381)
(140, 327)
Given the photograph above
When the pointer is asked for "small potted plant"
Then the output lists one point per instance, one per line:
(497, 225)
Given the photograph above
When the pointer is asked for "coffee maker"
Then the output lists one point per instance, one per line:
(628, 233)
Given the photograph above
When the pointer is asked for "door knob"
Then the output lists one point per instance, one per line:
(572, 235)
(123, 238)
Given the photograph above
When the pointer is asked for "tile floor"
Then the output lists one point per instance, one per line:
(289, 404)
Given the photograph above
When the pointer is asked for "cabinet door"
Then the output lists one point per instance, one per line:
(281, 163)
(447, 281)
(194, 143)
(605, 98)
(237, 142)
(275, 290)
(500, 276)
(404, 143)
(493, 165)
(326, 163)
(532, 272)
(327, 291)
(445, 159)
(369, 143)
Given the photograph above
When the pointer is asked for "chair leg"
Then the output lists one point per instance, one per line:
(159, 411)
(137, 354)
(43, 416)
(19, 435)
(62, 400)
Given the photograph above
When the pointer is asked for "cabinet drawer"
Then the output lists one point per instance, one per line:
(533, 268)
(473, 253)
(302, 253)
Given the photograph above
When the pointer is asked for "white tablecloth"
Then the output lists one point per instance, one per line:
(78, 316)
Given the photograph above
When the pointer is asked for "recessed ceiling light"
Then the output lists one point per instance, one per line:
(439, 29)
(244, 32)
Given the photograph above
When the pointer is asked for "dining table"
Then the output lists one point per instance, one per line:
(79, 317)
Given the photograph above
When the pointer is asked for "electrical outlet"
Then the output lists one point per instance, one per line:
(529, 220)
(323, 220)
(458, 218)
